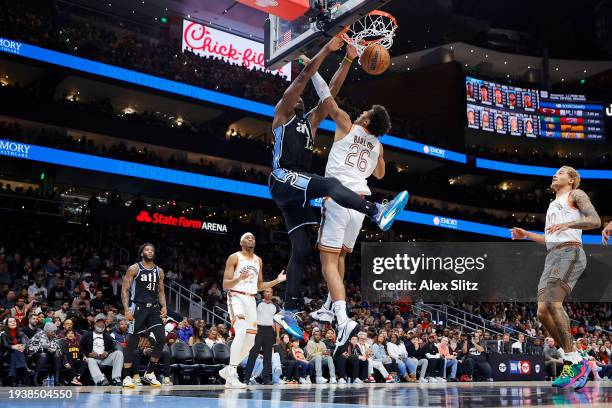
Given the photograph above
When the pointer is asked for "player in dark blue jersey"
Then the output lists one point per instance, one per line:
(292, 186)
(144, 306)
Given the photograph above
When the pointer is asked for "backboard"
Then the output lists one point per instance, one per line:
(286, 40)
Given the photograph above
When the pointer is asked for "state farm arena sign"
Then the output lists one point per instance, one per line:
(210, 42)
(180, 222)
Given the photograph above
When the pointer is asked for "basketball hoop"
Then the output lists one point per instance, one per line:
(376, 27)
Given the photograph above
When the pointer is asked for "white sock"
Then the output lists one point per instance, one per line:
(328, 302)
(339, 309)
(574, 357)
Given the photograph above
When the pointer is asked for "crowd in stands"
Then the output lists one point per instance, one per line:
(55, 295)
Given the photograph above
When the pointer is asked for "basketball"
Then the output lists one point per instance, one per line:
(375, 59)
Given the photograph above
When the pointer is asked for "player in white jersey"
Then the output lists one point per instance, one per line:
(567, 215)
(242, 279)
(355, 155)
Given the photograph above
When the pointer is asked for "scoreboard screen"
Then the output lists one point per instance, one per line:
(525, 112)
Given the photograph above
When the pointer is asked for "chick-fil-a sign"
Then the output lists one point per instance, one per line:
(207, 41)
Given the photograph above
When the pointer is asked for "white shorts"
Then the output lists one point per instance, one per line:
(241, 304)
(339, 227)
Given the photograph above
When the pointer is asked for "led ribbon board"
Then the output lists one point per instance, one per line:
(539, 170)
(154, 173)
(178, 88)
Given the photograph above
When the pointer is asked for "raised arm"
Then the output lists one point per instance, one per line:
(261, 285)
(284, 109)
(319, 114)
(125, 291)
(162, 294)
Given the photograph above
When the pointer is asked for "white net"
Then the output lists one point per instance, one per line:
(376, 27)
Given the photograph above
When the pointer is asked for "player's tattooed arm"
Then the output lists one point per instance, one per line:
(606, 233)
(591, 219)
(128, 278)
(162, 293)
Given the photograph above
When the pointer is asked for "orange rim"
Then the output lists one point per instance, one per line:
(345, 30)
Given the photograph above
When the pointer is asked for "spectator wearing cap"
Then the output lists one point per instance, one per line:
(317, 353)
(13, 344)
(436, 360)
(99, 350)
(44, 347)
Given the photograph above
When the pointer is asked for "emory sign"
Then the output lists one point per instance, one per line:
(181, 222)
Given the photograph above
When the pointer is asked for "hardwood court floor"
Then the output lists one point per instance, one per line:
(499, 394)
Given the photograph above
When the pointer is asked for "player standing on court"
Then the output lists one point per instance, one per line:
(292, 186)
(144, 306)
(567, 215)
(243, 279)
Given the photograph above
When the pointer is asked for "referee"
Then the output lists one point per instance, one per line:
(264, 339)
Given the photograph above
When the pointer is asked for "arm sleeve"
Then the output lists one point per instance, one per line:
(321, 87)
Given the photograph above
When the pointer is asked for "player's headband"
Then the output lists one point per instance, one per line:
(246, 234)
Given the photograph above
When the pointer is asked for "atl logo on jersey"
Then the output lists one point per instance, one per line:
(303, 128)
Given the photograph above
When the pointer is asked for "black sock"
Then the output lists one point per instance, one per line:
(126, 372)
(300, 250)
(152, 366)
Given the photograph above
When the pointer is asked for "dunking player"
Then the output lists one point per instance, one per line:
(144, 305)
(569, 214)
(291, 186)
(355, 155)
(242, 280)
